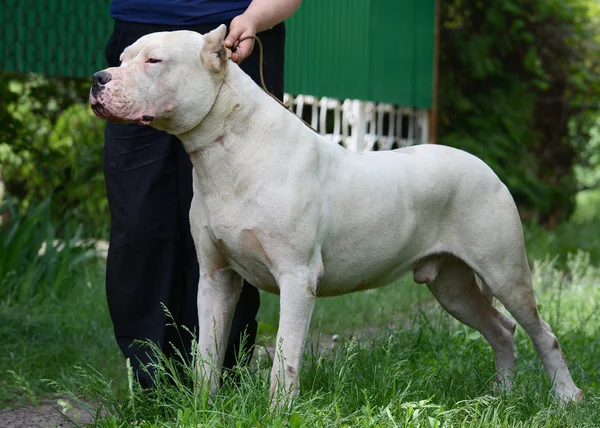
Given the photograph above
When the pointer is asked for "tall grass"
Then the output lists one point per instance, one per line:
(433, 372)
(52, 305)
(35, 263)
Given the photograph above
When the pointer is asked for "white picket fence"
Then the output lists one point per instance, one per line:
(362, 125)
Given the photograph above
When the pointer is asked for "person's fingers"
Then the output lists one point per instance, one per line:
(235, 31)
(244, 49)
(241, 27)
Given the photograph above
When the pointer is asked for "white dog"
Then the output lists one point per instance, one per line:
(302, 217)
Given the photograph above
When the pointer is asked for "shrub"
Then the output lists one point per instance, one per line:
(519, 83)
(51, 145)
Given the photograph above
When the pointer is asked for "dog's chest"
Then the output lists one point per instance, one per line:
(249, 252)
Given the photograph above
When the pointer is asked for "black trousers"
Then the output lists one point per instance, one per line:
(152, 259)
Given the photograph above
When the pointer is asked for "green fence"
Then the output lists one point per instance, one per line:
(379, 50)
(54, 37)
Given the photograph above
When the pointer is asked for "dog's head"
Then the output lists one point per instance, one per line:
(168, 80)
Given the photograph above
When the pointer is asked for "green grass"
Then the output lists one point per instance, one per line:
(435, 373)
(44, 339)
(417, 368)
(53, 310)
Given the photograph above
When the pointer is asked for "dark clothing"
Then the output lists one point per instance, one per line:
(177, 12)
(152, 259)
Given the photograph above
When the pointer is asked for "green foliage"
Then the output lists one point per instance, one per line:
(588, 171)
(373, 308)
(34, 264)
(51, 145)
(519, 84)
(52, 303)
(581, 232)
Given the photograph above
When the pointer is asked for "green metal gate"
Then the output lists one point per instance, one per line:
(377, 50)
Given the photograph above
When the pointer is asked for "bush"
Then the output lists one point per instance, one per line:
(51, 145)
(519, 84)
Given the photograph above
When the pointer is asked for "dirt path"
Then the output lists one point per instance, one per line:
(46, 415)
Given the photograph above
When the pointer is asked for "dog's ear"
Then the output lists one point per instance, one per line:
(213, 54)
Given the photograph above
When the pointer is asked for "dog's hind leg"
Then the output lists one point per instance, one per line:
(495, 249)
(456, 289)
(515, 292)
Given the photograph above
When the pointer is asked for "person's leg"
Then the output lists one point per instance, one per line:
(141, 181)
(146, 263)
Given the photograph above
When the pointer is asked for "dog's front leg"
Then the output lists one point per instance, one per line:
(218, 293)
(297, 300)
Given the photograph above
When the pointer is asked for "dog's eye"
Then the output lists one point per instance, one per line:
(153, 61)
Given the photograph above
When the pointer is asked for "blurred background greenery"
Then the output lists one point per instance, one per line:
(518, 86)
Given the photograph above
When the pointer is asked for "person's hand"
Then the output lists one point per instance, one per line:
(241, 26)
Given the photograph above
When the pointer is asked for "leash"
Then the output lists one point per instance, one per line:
(262, 78)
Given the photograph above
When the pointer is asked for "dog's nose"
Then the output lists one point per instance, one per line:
(101, 78)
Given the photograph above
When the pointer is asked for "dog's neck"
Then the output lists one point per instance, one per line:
(237, 100)
(220, 145)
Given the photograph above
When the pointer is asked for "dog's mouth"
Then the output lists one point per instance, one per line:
(146, 119)
(99, 109)
(102, 112)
